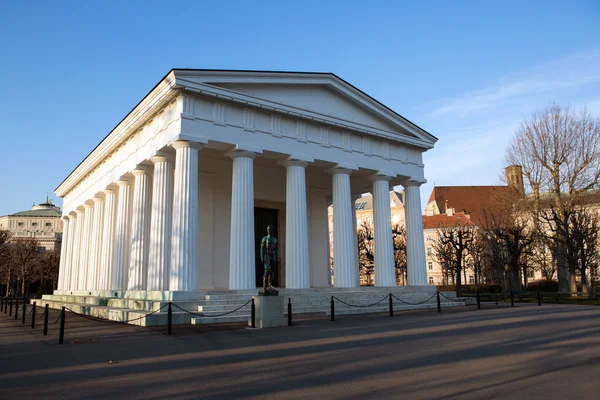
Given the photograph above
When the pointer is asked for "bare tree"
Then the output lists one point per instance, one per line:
(510, 238)
(559, 150)
(399, 238)
(24, 255)
(444, 256)
(5, 265)
(366, 255)
(47, 267)
(455, 242)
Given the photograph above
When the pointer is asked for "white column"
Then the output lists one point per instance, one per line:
(297, 274)
(184, 238)
(241, 245)
(96, 243)
(353, 198)
(345, 259)
(415, 242)
(84, 251)
(63, 269)
(122, 237)
(77, 235)
(140, 228)
(382, 219)
(108, 240)
(160, 224)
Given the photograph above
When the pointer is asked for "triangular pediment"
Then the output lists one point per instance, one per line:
(320, 94)
(316, 98)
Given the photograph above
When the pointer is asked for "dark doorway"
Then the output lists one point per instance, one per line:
(262, 218)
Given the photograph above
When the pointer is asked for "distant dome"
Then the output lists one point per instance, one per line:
(46, 209)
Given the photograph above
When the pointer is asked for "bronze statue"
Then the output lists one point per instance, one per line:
(269, 255)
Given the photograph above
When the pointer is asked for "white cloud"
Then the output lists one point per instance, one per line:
(573, 71)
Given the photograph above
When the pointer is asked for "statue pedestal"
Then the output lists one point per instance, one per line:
(269, 311)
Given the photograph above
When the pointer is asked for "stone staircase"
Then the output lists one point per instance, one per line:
(150, 308)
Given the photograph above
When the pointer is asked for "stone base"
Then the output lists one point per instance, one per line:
(269, 311)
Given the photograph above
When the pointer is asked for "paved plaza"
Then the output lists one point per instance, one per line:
(548, 352)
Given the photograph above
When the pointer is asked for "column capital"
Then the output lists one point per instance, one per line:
(412, 182)
(122, 182)
(72, 214)
(161, 156)
(79, 212)
(380, 177)
(65, 218)
(87, 206)
(108, 191)
(340, 170)
(241, 153)
(141, 169)
(294, 163)
(186, 143)
(97, 199)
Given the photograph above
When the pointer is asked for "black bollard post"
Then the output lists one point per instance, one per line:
(2, 304)
(24, 313)
(45, 333)
(10, 307)
(17, 309)
(391, 306)
(439, 302)
(478, 299)
(61, 334)
(512, 298)
(169, 320)
(539, 298)
(332, 309)
(253, 314)
(33, 316)
(290, 311)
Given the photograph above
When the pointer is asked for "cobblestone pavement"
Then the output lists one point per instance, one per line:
(548, 352)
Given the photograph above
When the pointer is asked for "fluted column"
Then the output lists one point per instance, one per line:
(84, 251)
(382, 219)
(345, 259)
(122, 237)
(184, 239)
(160, 224)
(140, 228)
(75, 250)
(241, 245)
(415, 245)
(108, 240)
(63, 269)
(297, 273)
(96, 243)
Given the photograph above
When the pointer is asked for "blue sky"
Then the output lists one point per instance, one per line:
(468, 72)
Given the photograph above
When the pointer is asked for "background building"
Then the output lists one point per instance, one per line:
(42, 222)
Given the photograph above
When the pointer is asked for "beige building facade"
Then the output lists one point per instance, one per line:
(42, 222)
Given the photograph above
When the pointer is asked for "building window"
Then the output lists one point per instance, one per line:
(430, 264)
(530, 273)
(429, 251)
(471, 279)
(48, 224)
(34, 224)
(361, 206)
(19, 224)
(431, 280)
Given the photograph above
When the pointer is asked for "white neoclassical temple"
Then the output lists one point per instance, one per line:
(178, 195)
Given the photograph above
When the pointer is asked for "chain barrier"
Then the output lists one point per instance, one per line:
(58, 319)
(211, 316)
(360, 306)
(44, 313)
(99, 319)
(414, 304)
(449, 298)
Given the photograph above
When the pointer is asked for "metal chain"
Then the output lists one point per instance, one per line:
(413, 304)
(448, 298)
(212, 316)
(98, 319)
(360, 306)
